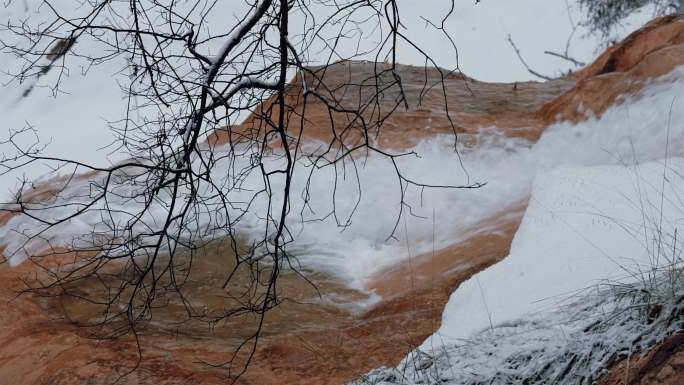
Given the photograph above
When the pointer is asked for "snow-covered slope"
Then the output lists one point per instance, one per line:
(598, 249)
(586, 224)
(583, 226)
(594, 273)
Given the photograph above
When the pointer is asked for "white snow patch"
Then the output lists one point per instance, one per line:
(583, 225)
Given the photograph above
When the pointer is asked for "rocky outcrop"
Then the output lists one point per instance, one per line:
(306, 341)
(621, 72)
(429, 102)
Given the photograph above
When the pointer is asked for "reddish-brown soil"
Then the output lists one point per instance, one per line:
(313, 341)
(661, 365)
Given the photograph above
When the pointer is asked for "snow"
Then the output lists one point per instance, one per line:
(583, 225)
(599, 247)
(571, 345)
(74, 121)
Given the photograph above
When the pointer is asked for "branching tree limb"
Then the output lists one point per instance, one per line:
(193, 174)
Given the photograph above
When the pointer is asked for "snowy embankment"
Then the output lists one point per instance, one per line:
(595, 271)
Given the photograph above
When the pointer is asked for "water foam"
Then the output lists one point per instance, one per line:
(636, 130)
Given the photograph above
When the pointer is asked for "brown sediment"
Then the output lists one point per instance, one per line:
(444, 102)
(485, 243)
(660, 33)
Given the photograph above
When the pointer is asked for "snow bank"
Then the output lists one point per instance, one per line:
(572, 345)
(586, 224)
(583, 226)
(594, 273)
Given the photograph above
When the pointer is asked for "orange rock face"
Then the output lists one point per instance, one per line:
(309, 341)
(304, 342)
(622, 71)
(434, 102)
